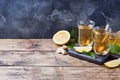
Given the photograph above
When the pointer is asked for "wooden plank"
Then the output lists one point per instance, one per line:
(27, 58)
(59, 73)
(35, 59)
(14, 48)
(27, 44)
(40, 58)
(66, 60)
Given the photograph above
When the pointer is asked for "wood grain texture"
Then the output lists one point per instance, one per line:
(27, 44)
(35, 59)
(40, 58)
(27, 59)
(58, 73)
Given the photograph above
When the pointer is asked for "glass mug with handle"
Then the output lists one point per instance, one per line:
(101, 38)
(85, 33)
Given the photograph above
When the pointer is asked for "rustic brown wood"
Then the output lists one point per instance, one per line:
(40, 58)
(27, 58)
(35, 59)
(27, 44)
(58, 73)
(66, 60)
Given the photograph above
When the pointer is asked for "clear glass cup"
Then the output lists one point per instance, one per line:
(112, 38)
(118, 38)
(85, 33)
(101, 39)
(115, 38)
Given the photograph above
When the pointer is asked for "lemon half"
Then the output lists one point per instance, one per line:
(113, 63)
(81, 49)
(61, 37)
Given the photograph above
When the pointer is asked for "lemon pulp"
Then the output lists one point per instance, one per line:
(81, 49)
(61, 37)
(113, 63)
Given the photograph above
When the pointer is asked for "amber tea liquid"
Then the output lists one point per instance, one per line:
(101, 41)
(114, 39)
(85, 35)
(118, 41)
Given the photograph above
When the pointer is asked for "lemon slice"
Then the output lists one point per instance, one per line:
(81, 49)
(61, 37)
(113, 63)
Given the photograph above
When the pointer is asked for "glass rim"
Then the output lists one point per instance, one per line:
(98, 27)
(88, 22)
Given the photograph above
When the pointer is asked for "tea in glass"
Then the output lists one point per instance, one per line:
(118, 38)
(101, 41)
(85, 37)
(115, 38)
(118, 41)
(112, 38)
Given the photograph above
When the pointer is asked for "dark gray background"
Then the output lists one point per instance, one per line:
(43, 18)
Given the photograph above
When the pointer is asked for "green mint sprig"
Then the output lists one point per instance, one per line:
(115, 49)
(91, 54)
(73, 35)
(71, 45)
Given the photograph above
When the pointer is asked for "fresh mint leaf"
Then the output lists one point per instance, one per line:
(73, 38)
(73, 33)
(84, 52)
(91, 54)
(115, 49)
(71, 45)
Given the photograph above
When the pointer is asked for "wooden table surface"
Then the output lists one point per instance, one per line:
(35, 59)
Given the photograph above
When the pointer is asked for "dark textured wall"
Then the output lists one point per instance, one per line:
(42, 18)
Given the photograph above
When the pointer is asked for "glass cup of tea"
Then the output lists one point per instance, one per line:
(85, 33)
(118, 38)
(115, 38)
(101, 39)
